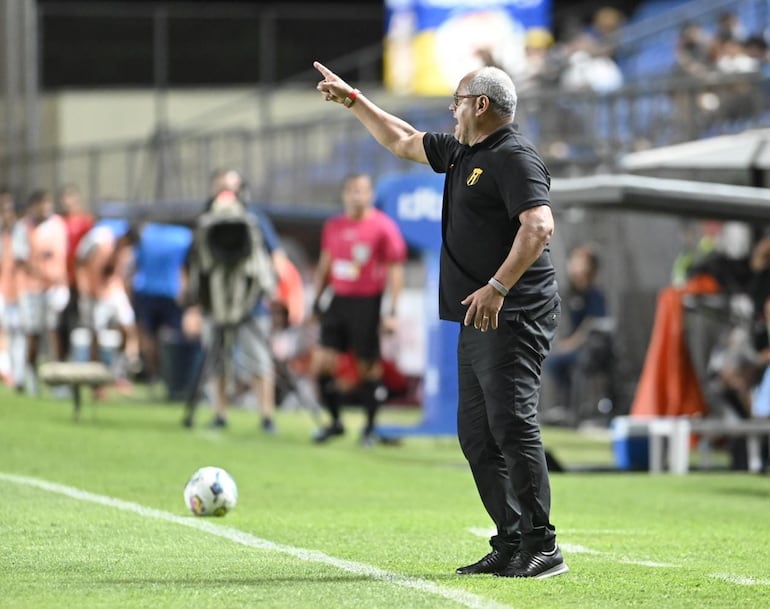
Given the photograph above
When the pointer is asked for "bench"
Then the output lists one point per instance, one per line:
(751, 429)
(669, 439)
(75, 375)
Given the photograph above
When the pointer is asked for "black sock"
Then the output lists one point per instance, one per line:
(370, 397)
(330, 397)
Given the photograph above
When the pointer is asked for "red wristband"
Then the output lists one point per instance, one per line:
(351, 98)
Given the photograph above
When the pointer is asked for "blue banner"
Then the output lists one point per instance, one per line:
(414, 201)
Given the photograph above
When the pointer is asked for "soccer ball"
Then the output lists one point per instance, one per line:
(210, 491)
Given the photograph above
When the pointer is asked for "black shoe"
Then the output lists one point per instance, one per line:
(539, 565)
(268, 426)
(389, 440)
(324, 434)
(491, 563)
(218, 422)
(368, 440)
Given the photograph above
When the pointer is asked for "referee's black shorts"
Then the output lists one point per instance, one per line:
(352, 323)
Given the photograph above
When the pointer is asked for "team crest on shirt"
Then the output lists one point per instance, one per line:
(361, 252)
(474, 177)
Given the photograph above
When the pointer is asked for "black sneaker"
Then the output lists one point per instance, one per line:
(491, 563)
(326, 433)
(368, 440)
(389, 440)
(539, 565)
(268, 426)
(218, 422)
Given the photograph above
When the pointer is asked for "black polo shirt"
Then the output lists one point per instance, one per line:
(487, 186)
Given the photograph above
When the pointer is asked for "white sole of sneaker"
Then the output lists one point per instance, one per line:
(557, 570)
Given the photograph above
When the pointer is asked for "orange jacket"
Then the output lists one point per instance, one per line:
(668, 385)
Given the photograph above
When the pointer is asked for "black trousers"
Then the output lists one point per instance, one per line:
(499, 385)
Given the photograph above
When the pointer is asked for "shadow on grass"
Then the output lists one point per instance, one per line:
(390, 456)
(734, 491)
(138, 423)
(268, 579)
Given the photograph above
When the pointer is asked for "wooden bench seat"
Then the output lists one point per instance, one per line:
(75, 375)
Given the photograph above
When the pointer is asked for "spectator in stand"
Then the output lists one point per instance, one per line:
(588, 62)
(736, 101)
(540, 68)
(728, 27)
(40, 251)
(11, 337)
(78, 222)
(692, 51)
(756, 48)
(733, 58)
(588, 72)
(604, 31)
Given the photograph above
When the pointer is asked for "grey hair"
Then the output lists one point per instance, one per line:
(498, 87)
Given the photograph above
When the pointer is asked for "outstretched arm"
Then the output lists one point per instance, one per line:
(396, 135)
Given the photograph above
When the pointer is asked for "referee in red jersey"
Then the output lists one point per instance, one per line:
(362, 255)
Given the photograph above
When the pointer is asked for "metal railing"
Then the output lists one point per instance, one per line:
(300, 165)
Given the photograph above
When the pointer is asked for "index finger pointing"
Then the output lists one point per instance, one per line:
(322, 68)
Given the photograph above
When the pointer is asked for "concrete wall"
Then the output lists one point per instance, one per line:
(88, 117)
(84, 137)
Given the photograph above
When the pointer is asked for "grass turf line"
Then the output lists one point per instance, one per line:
(405, 511)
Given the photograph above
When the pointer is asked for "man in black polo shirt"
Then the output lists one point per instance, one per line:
(497, 279)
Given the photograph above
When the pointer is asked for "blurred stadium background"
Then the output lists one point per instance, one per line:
(138, 102)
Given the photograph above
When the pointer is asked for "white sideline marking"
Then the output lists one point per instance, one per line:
(458, 596)
(482, 532)
(739, 580)
(625, 532)
(487, 532)
(578, 549)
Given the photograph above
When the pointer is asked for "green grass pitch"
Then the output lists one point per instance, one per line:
(93, 517)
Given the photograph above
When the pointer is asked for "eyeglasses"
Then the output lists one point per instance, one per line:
(456, 98)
